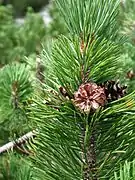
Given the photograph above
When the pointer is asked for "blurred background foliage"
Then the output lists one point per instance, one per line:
(18, 41)
(127, 23)
(20, 7)
(20, 45)
(13, 166)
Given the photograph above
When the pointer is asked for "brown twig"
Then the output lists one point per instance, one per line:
(89, 158)
(40, 70)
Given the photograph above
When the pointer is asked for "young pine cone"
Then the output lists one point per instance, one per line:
(89, 97)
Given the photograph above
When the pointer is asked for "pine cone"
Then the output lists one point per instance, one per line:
(113, 90)
(89, 97)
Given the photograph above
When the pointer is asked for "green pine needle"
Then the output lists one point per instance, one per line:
(15, 87)
(89, 17)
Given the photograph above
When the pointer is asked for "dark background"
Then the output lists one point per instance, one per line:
(20, 6)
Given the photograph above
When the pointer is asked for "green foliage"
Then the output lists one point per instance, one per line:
(15, 88)
(30, 34)
(126, 20)
(14, 167)
(59, 142)
(65, 132)
(19, 41)
(83, 19)
(91, 53)
(127, 171)
(20, 7)
(91, 60)
(58, 146)
(7, 34)
(57, 25)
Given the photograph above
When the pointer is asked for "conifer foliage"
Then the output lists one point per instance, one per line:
(84, 117)
(82, 134)
(127, 19)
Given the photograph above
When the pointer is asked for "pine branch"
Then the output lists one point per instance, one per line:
(17, 142)
(90, 155)
(126, 171)
(77, 65)
(83, 18)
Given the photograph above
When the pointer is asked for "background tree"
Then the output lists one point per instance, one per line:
(20, 7)
(21, 45)
(127, 19)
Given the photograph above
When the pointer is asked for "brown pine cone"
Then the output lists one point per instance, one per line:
(89, 97)
(113, 90)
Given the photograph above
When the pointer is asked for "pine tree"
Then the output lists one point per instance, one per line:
(83, 116)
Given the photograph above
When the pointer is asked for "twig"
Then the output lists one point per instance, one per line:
(18, 142)
(89, 157)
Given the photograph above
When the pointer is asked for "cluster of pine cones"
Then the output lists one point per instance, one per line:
(91, 96)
